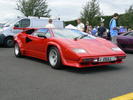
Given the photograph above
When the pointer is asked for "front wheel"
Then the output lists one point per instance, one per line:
(54, 58)
(17, 51)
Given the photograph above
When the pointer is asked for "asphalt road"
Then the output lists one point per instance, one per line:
(32, 79)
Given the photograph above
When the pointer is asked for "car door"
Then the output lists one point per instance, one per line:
(36, 43)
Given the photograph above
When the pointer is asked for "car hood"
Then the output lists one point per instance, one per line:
(121, 36)
(94, 47)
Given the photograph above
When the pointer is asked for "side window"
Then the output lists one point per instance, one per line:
(23, 23)
(44, 32)
(48, 34)
(30, 31)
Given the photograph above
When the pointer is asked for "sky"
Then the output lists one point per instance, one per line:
(65, 9)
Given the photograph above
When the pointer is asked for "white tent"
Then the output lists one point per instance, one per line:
(70, 26)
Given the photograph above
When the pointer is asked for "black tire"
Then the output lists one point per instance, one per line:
(55, 64)
(17, 50)
(9, 42)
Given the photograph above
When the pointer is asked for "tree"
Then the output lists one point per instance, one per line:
(37, 8)
(90, 11)
(127, 18)
(130, 10)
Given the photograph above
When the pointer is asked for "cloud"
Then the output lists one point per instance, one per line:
(5, 2)
(8, 10)
(64, 4)
(66, 9)
(109, 7)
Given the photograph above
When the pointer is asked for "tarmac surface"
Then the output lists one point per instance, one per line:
(32, 79)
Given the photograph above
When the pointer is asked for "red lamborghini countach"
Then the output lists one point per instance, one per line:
(67, 47)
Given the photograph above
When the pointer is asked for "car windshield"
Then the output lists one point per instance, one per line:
(70, 34)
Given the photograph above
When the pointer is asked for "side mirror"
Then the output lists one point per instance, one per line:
(41, 36)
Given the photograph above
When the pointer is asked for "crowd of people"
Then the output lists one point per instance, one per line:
(101, 31)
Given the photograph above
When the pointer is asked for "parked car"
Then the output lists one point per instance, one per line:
(125, 41)
(67, 47)
(17, 25)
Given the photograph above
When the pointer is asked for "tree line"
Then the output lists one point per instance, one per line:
(90, 12)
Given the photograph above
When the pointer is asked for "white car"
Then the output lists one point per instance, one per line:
(20, 24)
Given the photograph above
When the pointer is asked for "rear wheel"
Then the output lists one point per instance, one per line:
(9, 42)
(54, 58)
(17, 51)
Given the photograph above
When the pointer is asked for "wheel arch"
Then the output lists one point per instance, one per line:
(18, 41)
(10, 36)
(58, 47)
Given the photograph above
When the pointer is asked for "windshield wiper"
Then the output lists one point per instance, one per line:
(80, 37)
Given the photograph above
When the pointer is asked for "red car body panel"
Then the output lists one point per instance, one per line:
(95, 48)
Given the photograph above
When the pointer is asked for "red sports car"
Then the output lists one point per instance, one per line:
(67, 47)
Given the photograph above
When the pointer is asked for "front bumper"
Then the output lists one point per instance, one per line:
(83, 64)
(2, 37)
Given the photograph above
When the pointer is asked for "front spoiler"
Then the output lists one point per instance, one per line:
(84, 65)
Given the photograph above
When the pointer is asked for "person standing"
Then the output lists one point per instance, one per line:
(86, 29)
(80, 25)
(50, 24)
(102, 30)
(113, 28)
(90, 29)
(94, 31)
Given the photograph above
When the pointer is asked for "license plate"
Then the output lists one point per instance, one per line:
(107, 59)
